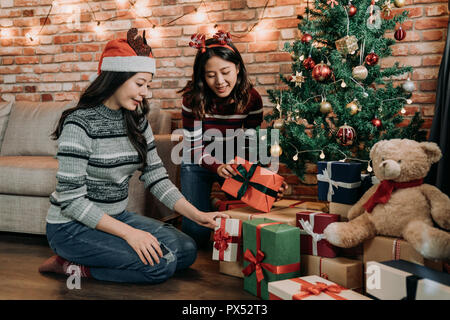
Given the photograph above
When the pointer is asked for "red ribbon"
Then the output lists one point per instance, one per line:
(296, 204)
(256, 265)
(308, 289)
(223, 238)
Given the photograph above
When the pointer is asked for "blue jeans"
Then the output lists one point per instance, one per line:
(110, 258)
(196, 184)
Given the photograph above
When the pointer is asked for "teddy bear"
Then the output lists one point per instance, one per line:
(401, 205)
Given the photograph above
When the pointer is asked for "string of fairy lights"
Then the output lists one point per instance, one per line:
(200, 13)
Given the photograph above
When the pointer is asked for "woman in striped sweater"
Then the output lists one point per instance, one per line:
(217, 102)
(101, 143)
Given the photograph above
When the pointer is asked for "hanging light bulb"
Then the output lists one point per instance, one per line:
(403, 111)
(369, 168)
(200, 16)
(295, 158)
(408, 101)
(263, 138)
(343, 84)
(322, 155)
(98, 28)
(154, 32)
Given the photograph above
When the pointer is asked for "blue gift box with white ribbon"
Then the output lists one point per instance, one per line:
(339, 181)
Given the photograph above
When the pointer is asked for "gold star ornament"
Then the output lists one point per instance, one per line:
(298, 79)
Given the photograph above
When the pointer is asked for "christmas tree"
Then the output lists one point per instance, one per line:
(339, 102)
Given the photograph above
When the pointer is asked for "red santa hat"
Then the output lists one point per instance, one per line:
(127, 55)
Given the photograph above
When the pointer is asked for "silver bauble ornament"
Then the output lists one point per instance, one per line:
(360, 73)
(409, 86)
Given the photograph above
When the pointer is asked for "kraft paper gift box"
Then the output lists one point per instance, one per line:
(341, 209)
(254, 185)
(388, 248)
(300, 204)
(342, 271)
(403, 280)
(311, 288)
(227, 239)
(271, 253)
(234, 268)
(311, 226)
(338, 181)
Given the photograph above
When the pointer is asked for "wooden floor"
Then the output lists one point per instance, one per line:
(21, 255)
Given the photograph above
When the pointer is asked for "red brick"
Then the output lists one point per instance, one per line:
(431, 23)
(432, 35)
(432, 60)
(429, 85)
(436, 10)
(27, 60)
(87, 48)
(262, 46)
(66, 39)
(46, 97)
(425, 48)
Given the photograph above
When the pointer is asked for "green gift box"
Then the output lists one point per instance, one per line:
(271, 253)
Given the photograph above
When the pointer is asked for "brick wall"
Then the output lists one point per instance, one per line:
(56, 66)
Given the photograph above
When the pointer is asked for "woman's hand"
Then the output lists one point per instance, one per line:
(145, 245)
(281, 191)
(226, 171)
(207, 219)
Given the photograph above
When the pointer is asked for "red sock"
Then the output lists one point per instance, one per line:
(61, 265)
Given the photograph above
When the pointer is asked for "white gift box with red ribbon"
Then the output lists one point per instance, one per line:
(227, 239)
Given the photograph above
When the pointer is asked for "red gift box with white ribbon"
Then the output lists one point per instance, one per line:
(312, 240)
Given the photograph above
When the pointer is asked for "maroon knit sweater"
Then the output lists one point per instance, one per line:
(221, 117)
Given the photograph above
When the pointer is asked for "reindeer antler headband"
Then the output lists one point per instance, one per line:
(198, 41)
(128, 55)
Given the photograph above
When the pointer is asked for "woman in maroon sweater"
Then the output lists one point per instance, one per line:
(217, 102)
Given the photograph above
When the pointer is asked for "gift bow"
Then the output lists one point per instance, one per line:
(308, 228)
(308, 289)
(255, 265)
(245, 177)
(326, 177)
(221, 239)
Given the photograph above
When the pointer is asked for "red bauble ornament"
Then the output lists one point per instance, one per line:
(346, 135)
(376, 122)
(309, 63)
(306, 38)
(400, 34)
(352, 10)
(321, 72)
(372, 59)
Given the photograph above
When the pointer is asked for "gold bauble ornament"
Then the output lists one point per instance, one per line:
(278, 124)
(325, 107)
(353, 106)
(360, 73)
(275, 150)
(399, 3)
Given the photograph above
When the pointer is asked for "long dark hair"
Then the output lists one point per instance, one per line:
(197, 91)
(100, 90)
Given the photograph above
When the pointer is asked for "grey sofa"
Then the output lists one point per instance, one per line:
(28, 165)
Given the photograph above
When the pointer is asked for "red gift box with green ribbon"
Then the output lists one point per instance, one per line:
(271, 252)
(253, 184)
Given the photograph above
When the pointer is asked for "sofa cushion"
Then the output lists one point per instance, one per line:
(30, 126)
(5, 109)
(29, 176)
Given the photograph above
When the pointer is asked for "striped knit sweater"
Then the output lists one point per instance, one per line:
(96, 161)
(221, 117)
